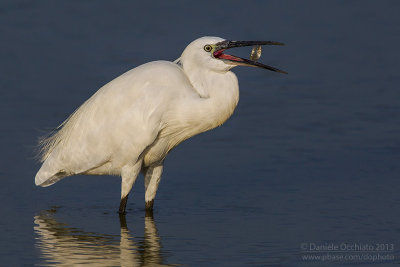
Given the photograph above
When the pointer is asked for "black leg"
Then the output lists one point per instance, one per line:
(122, 205)
(149, 205)
(149, 208)
(149, 214)
(122, 221)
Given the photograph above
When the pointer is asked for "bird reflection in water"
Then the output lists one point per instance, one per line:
(63, 245)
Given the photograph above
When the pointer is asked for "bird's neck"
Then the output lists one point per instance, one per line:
(219, 95)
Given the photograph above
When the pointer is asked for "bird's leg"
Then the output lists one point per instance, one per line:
(151, 181)
(129, 174)
(122, 221)
(149, 205)
(122, 205)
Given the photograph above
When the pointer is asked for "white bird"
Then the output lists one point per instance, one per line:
(130, 124)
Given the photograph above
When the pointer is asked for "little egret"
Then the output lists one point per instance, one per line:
(130, 124)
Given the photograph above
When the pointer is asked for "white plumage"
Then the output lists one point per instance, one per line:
(130, 124)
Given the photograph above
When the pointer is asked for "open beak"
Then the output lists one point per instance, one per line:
(222, 46)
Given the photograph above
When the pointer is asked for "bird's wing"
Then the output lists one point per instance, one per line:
(116, 124)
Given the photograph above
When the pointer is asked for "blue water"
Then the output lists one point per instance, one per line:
(308, 159)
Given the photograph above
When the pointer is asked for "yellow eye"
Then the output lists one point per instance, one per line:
(207, 48)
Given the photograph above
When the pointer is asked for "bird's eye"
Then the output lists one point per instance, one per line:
(207, 48)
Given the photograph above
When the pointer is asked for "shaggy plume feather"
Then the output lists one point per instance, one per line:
(59, 135)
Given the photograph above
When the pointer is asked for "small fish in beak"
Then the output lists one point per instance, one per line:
(218, 50)
(256, 53)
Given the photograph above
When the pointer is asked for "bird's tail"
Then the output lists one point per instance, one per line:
(44, 177)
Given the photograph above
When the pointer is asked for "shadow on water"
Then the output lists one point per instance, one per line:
(64, 245)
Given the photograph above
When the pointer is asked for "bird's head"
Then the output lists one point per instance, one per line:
(209, 53)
